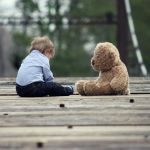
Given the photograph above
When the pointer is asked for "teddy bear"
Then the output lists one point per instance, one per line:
(113, 76)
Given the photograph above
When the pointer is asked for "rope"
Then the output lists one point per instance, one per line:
(134, 38)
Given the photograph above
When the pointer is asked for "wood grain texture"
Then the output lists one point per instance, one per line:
(79, 144)
(102, 137)
(64, 117)
(75, 122)
(137, 85)
(134, 89)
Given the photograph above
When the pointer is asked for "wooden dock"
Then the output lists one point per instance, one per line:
(75, 122)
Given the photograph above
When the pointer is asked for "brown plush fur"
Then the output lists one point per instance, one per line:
(113, 77)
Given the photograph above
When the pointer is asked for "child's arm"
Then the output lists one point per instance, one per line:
(47, 74)
(56, 88)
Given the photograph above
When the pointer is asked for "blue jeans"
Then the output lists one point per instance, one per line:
(39, 89)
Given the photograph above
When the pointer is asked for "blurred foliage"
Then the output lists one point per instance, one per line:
(21, 41)
(27, 6)
(74, 44)
(91, 7)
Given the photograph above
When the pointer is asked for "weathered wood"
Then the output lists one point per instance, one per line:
(135, 88)
(104, 104)
(140, 88)
(76, 131)
(64, 131)
(83, 117)
(112, 108)
(104, 137)
(137, 85)
(9, 103)
(69, 143)
(75, 122)
(75, 102)
(77, 98)
(72, 80)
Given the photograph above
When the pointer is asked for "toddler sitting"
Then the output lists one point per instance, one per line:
(35, 78)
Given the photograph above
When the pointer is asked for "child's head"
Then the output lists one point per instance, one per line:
(44, 45)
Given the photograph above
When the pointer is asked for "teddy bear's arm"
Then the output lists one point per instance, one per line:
(120, 80)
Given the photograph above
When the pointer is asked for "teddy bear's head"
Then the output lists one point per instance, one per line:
(105, 56)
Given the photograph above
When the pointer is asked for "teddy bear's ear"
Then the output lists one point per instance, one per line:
(114, 57)
(98, 45)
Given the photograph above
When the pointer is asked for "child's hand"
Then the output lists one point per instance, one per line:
(72, 87)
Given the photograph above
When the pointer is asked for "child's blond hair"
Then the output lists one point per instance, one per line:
(42, 44)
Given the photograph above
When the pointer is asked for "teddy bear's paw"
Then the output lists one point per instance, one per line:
(79, 87)
(127, 92)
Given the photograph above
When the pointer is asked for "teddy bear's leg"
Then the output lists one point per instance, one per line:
(93, 88)
(80, 87)
(90, 88)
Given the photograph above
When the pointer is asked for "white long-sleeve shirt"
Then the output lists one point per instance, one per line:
(35, 67)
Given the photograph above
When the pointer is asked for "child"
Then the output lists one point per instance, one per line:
(34, 77)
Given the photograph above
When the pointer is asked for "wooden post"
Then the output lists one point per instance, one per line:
(122, 30)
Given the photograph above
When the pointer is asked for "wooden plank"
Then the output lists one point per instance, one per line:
(75, 107)
(75, 102)
(7, 92)
(85, 122)
(78, 98)
(104, 109)
(137, 85)
(135, 88)
(115, 137)
(80, 144)
(80, 117)
(140, 88)
(72, 80)
(74, 112)
(77, 131)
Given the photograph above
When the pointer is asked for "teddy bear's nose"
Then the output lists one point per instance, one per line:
(93, 62)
